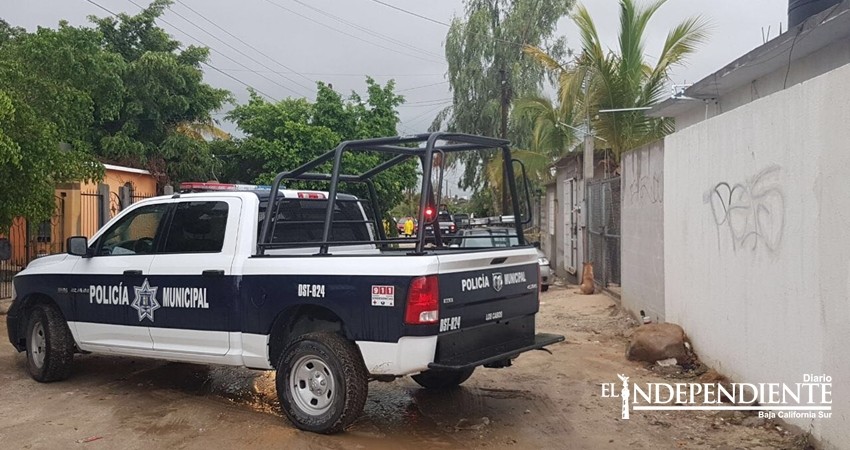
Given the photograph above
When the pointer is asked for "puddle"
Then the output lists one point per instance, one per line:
(395, 412)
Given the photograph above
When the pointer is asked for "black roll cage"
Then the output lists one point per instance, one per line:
(449, 143)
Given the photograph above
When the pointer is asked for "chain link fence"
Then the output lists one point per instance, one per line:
(603, 226)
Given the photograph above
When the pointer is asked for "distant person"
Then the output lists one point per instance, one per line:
(408, 227)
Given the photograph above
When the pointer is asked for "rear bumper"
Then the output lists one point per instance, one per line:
(545, 274)
(489, 343)
(491, 355)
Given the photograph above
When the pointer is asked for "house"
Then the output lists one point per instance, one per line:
(756, 215)
(81, 209)
(564, 236)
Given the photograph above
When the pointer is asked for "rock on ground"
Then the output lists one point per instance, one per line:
(657, 341)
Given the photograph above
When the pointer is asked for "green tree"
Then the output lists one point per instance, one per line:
(73, 97)
(600, 79)
(55, 86)
(164, 98)
(281, 136)
(482, 46)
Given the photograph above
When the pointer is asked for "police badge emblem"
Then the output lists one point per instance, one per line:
(498, 281)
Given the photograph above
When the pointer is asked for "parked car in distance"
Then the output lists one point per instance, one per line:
(461, 220)
(501, 237)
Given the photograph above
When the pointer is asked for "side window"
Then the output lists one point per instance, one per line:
(134, 234)
(197, 227)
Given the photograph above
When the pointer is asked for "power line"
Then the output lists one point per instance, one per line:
(439, 22)
(222, 54)
(399, 75)
(368, 31)
(202, 62)
(263, 65)
(103, 8)
(418, 117)
(412, 13)
(245, 43)
(426, 103)
(421, 87)
(349, 34)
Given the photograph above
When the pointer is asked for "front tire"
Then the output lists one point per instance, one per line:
(321, 382)
(442, 379)
(50, 346)
(544, 288)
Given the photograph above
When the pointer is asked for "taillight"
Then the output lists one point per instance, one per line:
(423, 301)
(451, 228)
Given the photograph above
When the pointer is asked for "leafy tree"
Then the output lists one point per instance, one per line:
(8, 32)
(73, 97)
(55, 85)
(489, 41)
(281, 136)
(600, 79)
(165, 99)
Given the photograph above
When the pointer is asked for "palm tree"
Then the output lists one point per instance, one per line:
(202, 130)
(598, 79)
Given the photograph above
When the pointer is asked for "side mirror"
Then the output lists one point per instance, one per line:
(5, 249)
(536, 244)
(78, 246)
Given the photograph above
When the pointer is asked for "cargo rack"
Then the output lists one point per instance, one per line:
(401, 150)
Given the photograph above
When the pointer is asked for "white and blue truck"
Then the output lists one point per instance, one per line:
(288, 280)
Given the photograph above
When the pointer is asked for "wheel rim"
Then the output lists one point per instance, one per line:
(38, 345)
(312, 385)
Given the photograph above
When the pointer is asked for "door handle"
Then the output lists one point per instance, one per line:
(132, 272)
(213, 273)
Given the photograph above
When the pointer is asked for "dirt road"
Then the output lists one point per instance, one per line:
(544, 401)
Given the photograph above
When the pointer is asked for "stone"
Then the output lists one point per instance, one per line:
(658, 341)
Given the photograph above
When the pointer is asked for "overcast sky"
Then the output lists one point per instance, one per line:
(292, 43)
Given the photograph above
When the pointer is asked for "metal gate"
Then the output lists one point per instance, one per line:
(570, 226)
(603, 226)
(30, 240)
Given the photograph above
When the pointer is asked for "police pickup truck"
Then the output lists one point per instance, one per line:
(287, 280)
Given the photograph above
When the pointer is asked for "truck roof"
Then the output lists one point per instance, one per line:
(262, 191)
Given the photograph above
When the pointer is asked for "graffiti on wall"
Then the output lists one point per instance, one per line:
(646, 190)
(644, 173)
(752, 212)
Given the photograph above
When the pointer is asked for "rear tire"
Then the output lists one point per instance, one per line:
(442, 379)
(544, 288)
(321, 382)
(50, 346)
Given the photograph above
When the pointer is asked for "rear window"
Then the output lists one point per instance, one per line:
(489, 240)
(302, 221)
(197, 227)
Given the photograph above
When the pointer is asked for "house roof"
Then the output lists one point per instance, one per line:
(126, 169)
(815, 33)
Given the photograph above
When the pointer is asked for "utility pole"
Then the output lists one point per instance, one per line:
(506, 104)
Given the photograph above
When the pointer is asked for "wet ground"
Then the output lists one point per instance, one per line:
(543, 401)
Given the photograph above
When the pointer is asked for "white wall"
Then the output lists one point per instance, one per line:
(764, 292)
(642, 231)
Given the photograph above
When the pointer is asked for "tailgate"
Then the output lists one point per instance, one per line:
(488, 300)
(487, 286)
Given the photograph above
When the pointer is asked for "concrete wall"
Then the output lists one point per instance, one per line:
(642, 231)
(757, 240)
